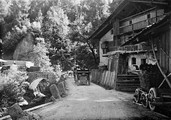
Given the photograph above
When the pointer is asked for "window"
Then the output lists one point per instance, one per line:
(130, 22)
(143, 61)
(105, 51)
(133, 60)
(105, 47)
(112, 31)
(148, 16)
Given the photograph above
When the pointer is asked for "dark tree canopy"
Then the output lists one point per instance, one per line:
(64, 26)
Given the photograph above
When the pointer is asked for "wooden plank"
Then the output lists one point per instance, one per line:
(113, 79)
(110, 75)
(108, 83)
(159, 50)
(106, 78)
(162, 53)
(102, 80)
(116, 69)
(167, 50)
(169, 39)
(99, 77)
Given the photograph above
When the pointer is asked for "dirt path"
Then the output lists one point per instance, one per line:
(94, 102)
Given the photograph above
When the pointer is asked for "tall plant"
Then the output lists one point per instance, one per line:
(11, 87)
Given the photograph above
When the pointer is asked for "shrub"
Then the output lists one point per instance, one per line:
(11, 87)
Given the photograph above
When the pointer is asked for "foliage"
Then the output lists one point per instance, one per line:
(19, 26)
(89, 15)
(39, 56)
(55, 30)
(85, 57)
(11, 87)
(61, 23)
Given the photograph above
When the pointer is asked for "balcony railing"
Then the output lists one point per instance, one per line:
(131, 48)
(139, 25)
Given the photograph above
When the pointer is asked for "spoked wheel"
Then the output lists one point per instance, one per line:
(152, 98)
(144, 100)
(136, 98)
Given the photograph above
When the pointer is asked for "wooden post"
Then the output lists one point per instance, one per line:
(165, 77)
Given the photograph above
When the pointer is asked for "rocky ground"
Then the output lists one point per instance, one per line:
(95, 103)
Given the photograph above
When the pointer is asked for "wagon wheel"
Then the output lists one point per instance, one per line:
(144, 100)
(152, 98)
(137, 95)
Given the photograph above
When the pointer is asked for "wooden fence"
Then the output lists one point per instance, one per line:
(111, 80)
(104, 78)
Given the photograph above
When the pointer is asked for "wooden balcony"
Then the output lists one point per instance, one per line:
(131, 48)
(139, 25)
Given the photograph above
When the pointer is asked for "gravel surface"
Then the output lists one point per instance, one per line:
(95, 103)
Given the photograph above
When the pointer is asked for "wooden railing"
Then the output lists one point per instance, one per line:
(131, 48)
(139, 25)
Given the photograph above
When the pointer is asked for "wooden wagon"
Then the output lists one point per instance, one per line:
(82, 77)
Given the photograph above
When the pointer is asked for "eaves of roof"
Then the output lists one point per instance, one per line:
(147, 30)
(107, 24)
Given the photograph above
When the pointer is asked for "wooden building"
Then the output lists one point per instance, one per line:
(128, 50)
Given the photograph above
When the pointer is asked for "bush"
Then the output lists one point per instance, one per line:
(11, 87)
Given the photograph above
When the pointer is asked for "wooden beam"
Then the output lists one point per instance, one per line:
(164, 75)
(137, 7)
(149, 2)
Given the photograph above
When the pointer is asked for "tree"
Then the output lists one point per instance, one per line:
(11, 87)
(61, 23)
(89, 15)
(113, 4)
(55, 31)
(39, 56)
(17, 24)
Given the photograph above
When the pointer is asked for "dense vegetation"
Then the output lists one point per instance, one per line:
(62, 26)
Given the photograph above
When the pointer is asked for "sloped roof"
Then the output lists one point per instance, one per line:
(147, 30)
(119, 12)
(106, 25)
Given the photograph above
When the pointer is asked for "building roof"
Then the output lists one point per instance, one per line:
(147, 30)
(106, 25)
(123, 10)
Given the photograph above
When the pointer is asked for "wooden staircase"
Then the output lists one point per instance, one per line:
(127, 83)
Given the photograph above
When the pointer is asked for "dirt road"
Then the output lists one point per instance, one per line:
(94, 102)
